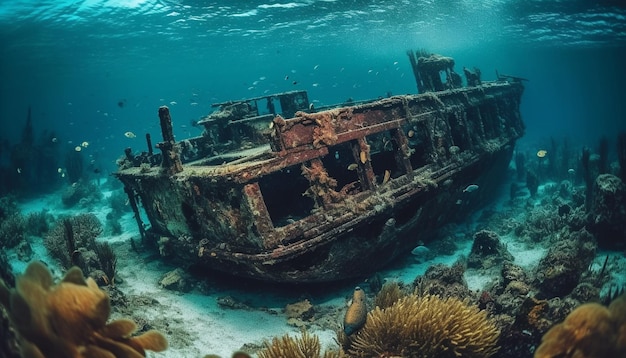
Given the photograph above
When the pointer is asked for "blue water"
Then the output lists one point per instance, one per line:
(93, 70)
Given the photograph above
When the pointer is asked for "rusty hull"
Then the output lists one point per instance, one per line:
(338, 193)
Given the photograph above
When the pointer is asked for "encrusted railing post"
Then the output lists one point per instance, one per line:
(171, 163)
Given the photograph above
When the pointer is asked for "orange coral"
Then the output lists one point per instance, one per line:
(591, 330)
(69, 319)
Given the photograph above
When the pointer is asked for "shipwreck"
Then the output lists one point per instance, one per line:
(278, 190)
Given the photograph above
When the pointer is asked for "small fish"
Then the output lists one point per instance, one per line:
(19, 170)
(193, 103)
(315, 84)
(55, 140)
(386, 176)
(84, 144)
(262, 78)
(78, 148)
(316, 67)
(286, 77)
(173, 103)
(353, 166)
(410, 133)
(59, 170)
(363, 157)
(129, 135)
(295, 82)
(395, 62)
(470, 188)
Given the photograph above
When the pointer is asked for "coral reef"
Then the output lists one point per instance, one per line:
(388, 295)
(426, 326)
(68, 319)
(487, 251)
(560, 270)
(607, 217)
(68, 235)
(591, 330)
(306, 346)
(440, 280)
(81, 192)
(38, 223)
(72, 241)
(8, 207)
(12, 230)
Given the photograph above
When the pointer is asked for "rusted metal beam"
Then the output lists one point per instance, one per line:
(171, 159)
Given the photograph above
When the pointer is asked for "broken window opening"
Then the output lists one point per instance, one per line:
(383, 155)
(420, 145)
(458, 131)
(269, 105)
(190, 217)
(283, 194)
(341, 165)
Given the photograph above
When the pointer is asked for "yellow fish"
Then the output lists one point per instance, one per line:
(357, 312)
(129, 135)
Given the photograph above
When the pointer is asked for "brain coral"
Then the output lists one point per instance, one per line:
(426, 326)
(69, 319)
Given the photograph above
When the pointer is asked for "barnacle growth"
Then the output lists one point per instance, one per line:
(69, 319)
(426, 326)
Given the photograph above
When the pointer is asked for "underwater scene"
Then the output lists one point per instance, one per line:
(312, 178)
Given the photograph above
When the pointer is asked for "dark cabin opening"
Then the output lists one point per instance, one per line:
(190, 217)
(420, 146)
(283, 193)
(383, 154)
(341, 165)
(458, 131)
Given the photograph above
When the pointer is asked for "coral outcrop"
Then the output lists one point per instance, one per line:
(69, 319)
(426, 326)
(306, 346)
(607, 218)
(487, 251)
(591, 330)
(559, 272)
